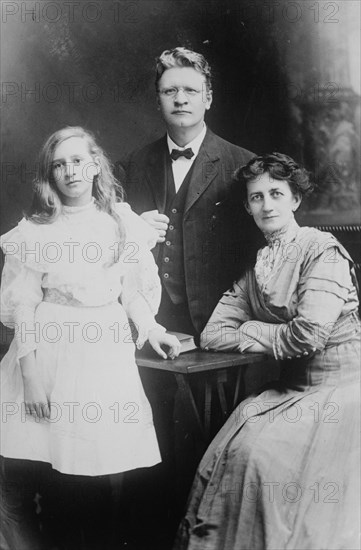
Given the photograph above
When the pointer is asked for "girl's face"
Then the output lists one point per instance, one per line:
(74, 169)
(271, 202)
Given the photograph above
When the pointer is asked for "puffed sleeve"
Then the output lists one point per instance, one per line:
(222, 330)
(141, 288)
(325, 286)
(21, 291)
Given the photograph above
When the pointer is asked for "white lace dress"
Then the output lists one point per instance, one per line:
(60, 288)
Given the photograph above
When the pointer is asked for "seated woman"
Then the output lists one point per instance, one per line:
(283, 471)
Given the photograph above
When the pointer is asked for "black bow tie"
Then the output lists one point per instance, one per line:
(187, 153)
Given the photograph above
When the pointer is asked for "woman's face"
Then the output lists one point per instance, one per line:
(270, 202)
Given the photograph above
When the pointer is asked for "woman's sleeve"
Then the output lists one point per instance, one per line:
(222, 331)
(141, 288)
(325, 286)
(21, 293)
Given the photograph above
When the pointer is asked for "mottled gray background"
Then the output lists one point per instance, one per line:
(286, 78)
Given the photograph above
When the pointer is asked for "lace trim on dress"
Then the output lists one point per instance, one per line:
(270, 258)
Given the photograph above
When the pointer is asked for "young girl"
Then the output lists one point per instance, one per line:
(77, 269)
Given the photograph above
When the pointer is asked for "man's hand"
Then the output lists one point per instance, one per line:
(158, 338)
(157, 221)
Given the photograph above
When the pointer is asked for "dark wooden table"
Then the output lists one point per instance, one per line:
(214, 366)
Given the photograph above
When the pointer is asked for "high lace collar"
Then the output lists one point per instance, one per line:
(75, 209)
(285, 234)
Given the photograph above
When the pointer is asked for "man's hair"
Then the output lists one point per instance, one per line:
(181, 57)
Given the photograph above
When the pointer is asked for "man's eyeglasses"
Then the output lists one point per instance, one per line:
(172, 92)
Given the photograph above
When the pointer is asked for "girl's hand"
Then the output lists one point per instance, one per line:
(35, 398)
(158, 338)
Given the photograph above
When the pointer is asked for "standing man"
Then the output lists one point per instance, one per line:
(181, 185)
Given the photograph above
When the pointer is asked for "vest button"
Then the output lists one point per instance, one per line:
(171, 227)
(166, 275)
(174, 210)
(168, 243)
(166, 259)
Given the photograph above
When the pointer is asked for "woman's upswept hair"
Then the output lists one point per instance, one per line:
(47, 205)
(181, 57)
(279, 167)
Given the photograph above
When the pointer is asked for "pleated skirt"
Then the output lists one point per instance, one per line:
(284, 471)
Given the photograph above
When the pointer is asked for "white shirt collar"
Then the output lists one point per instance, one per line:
(195, 144)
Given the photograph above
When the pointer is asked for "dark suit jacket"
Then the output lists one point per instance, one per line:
(213, 230)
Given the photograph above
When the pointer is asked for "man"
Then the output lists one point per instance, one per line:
(180, 185)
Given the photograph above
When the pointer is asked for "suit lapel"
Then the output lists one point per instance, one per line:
(156, 173)
(205, 169)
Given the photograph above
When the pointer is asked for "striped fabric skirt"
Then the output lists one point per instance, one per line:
(283, 472)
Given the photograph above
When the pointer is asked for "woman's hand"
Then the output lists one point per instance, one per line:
(258, 336)
(254, 347)
(35, 398)
(157, 338)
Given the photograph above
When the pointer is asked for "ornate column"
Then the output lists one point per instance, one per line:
(329, 116)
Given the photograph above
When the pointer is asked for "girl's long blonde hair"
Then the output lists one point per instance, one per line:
(47, 206)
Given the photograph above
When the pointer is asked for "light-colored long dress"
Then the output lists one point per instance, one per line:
(283, 472)
(60, 288)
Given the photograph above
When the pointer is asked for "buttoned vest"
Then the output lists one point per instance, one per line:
(171, 257)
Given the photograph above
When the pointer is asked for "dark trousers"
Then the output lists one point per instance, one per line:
(19, 486)
(158, 494)
(175, 317)
(42, 509)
